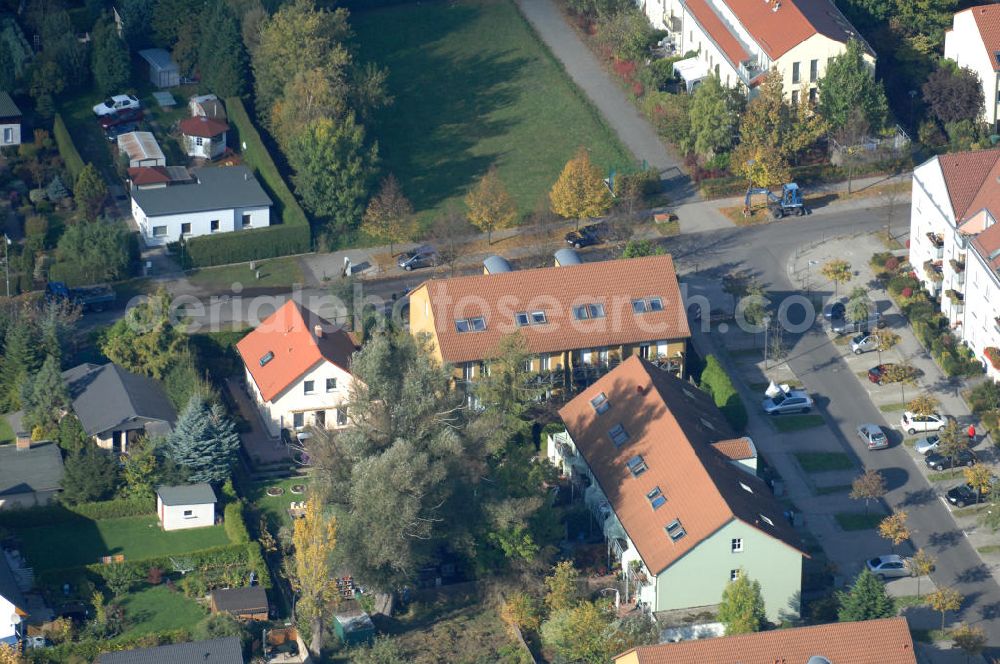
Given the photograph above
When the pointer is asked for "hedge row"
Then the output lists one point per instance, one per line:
(58, 513)
(243, 246)
(236, 526)
(67, 150)
(716, 382)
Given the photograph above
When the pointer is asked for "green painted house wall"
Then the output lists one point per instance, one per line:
(699, 578)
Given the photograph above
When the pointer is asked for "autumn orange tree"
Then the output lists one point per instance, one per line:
(314, 539)
(894, 529)
(490, 205)
(580, 192)
(389, 216)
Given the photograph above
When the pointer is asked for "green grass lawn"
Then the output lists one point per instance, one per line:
(945, 475)
(82, 542)
(818, 462)
(473, 86)
(273, 272)
(157, 609)
(858, 520)
(275, 508)
(892, 407)
(787, 423)
(828, 490)
(6, 433)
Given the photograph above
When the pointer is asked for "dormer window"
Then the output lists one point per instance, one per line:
(637, 465)
(477, 324)
(267, 357)
(618, 434)
(600, 403)
(656, 498)
(675, 530)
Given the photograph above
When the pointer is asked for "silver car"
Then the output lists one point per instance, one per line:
(888, 567)
(793, 401)
(927, 444)
(874, 437)
(863, 343)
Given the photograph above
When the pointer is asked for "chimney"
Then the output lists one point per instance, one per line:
(23, 441)
(318, 329)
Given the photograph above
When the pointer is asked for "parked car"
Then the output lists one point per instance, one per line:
(927, 444)
(793, 401)
(120, 117)
(938, 461)
(112, 133)
(835, 309)
(843, 325)
(911, 423)
(116, 103)
(966, 494)
(418, 258)
(891, 566)
(873, 436)
(585, 237)
(863, 343)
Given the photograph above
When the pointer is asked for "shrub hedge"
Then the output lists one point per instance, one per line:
(236, 526)
(67, 150)
(58, 513)
(716, 382)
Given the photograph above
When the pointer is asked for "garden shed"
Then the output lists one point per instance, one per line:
(354, 628)
(185, 506)
(243, 603)
(163, 71)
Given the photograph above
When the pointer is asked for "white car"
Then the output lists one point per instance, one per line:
(115, 104)
(912, 423)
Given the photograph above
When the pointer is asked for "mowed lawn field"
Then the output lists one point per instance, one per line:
(83, 542)
(473, 86)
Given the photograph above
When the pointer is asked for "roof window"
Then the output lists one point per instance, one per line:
(618, 434)
(524, 318)
(266, 357)
(644, 305)
(477, 324)
(675, 530)
(588, 311)
(746, 487)
(767, 520)
(656, 498)
(637, 465)
(600, 403)
(708, 425)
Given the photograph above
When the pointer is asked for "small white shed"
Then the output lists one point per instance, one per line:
(185, 506)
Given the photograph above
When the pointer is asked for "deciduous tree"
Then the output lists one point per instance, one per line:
(563, 587)
(762, 154)
(866, 600)
(944, 600)
(509, 388)
(580, 192)
(970, 640)
(850, 83)
(953, 441)
(980, 478)
(489, 204)
(90, 475)
(887, 340)
(868, 486)
(714, 117)
(580, 633)
(954, 93)
(923, 404)
(314, 538)
(838, 271)
(859, 305)
(742, 607)
(311, 95)
(921, 564)
(145, 341)
(894, 529)
(98, 251)
(389, 216)
(902, 373)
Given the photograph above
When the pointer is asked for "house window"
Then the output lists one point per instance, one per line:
(468, 372)
(8, 135)
(319, 418)
(477, 324)
(648, 304)
(637, 465)
(600, 403)
(331, 384)
(199, 141)
(736, 545)
(656, 498)
(298, 420)
(603, 357)
(545, 362)
(675, 530)
(342, 416)
(644, 351)
(618, 434)
(795, 72)
(795, 97)
(188, 514)
(213, 225)
(309, 386)
(537, 317)
(734, 574)
(812, 95)
(159, 231)
(587, 311)
(813, 70)
(186, 228)
(524, 318)
(246, 222)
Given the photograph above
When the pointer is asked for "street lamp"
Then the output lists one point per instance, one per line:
(6, 262)
(767, 325)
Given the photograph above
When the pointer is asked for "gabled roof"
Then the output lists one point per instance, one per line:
(883, 641)
(987, 245)
(557, 291)
(8, 109)
(719, 31)
(987, 19)
(186, 494)
(146, 175)
(285, 346)
(158, 58)
(240, 599)
(735, 449)
(140, 145)
(39, 468)
(202, 126)
(672, 426)
(226, 650)
(107, 396)
(216, 188)
(971, 180)
(9, 589)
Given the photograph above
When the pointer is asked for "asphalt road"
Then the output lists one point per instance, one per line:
(766, 251)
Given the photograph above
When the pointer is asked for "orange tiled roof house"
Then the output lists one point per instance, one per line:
(298, 369)
(676, 493)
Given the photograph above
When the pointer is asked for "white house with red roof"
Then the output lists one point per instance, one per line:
(974, 42)
(204, 137)
(739, 40)
(955, 244)
(298, 369)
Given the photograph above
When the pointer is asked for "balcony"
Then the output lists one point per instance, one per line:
(957, 299)
(937, 241)
(996, 324)
(957, 266)
(934, 271)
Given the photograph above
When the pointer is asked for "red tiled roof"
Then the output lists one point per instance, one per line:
(203, 126)
(735, 449)
(556, 291)
(988, 22)
(967, 177)
(672, 425)
(144, 175)
(987, 245)
(883, 641)
(722, 35)
(290, 334)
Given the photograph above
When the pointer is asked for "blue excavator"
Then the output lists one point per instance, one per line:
(790, 202)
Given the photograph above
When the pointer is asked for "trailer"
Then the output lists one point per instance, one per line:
(88, 298)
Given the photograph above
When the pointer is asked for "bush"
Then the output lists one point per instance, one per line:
(53, 514)
(901, 281)
(985, 397)
(236, 527)
(722, 187)
(716, 382)
(67, 150)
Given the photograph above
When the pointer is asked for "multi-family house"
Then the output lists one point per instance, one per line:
(577, 321)
(676, 492)
(739, 40)
(298, 369)
(974, 42)
(955, 244)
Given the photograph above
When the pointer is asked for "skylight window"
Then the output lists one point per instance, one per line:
(675, 530)
(477, 324)
(618, 435)
(639, 306)
(746, 487)
(767, 520)
(643, 305)
(524, 318)
(538, 318)
(637, 465)
(267, 357)
(588, 311)
(708, 425)
(656, 498)
(600, 403)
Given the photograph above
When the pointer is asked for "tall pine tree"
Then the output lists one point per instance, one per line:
(109, 59)
(204, 441)
(222, 60)
(866, 600)
(45, 397)
(20, 361)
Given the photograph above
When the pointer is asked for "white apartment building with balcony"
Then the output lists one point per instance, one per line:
(955, 244)
(974, 42)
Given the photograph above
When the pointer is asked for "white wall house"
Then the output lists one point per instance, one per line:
(12, 606)
(297, 370)
(973, 42)
(204, 137)
(219, 200)
(10, 121)
(185, 506)
(739, 40)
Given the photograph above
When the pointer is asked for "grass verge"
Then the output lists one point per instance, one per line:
(892, 407)
(273, 272)
(827, 490)
(789, 423)
(850, 521)
(945, 475)
(820, 462)
(988, 549)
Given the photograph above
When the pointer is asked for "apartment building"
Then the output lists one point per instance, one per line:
(973, 42)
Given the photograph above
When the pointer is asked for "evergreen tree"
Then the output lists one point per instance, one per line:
(109, 58)
(204, 442)
(71, 436)
(90, 475)
(222, 59)
(90, 192)
(742, 607)
(866, 600)
(20, 361)
(45, 397)
(7, 71)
